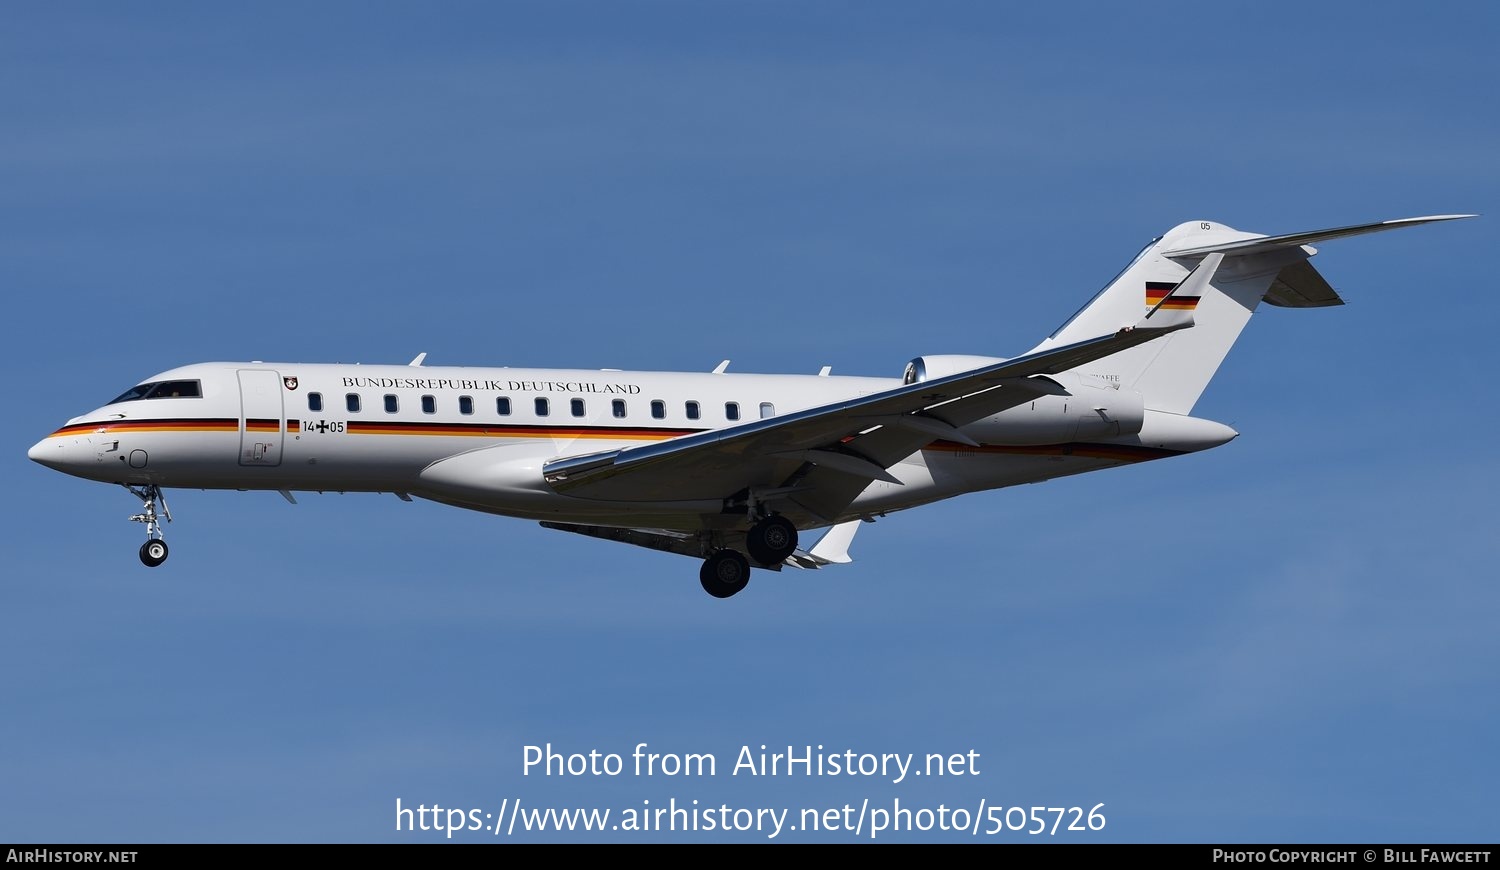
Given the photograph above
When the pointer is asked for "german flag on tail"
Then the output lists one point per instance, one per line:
(1156, 291)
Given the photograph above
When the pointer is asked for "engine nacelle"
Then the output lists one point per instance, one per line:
(941, 365)
(1093, 407)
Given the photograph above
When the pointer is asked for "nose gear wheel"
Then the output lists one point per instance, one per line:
(154, 551)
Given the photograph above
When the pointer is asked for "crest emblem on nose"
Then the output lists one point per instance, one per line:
(291, 383)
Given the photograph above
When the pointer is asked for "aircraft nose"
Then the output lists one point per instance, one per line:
(51, 452)
(38, 453)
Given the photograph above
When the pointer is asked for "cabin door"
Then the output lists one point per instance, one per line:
(261, 423)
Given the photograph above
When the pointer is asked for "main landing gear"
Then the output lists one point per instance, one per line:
(724, 573)
(769, 541)
(154, 551)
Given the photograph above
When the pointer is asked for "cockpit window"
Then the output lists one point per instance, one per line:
(161, 390)
(132, 394)
(176, 390)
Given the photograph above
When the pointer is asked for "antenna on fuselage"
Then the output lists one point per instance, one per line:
(417, 360)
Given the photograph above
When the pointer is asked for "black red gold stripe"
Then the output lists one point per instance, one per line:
(371, 427)
(222, 424)
(1117, 452)
(1156, 291)
(195, 424)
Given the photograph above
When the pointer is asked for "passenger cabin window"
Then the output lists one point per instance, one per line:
(542, 408)
(692, 410)
(502, 405)
(617, 408)
(314, 401)
(767, 410)
(731, 410)
(161, 390)
(351, 401)
(577, 407)
(429, 405)
(465, 404)
(658, 409)
(392, 405)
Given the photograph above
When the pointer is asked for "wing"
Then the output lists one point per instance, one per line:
(821, 458)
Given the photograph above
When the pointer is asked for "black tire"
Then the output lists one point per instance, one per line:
(771, 540)
(724, 573)
(153, 553)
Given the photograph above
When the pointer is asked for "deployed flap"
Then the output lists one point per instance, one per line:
(831, 549)
(665, 540)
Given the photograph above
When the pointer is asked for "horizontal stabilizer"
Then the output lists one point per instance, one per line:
(1262, 244)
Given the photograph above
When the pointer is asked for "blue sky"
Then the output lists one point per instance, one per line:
(1290, 638)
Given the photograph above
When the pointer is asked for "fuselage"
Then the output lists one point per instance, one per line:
(725, 467)
(404, 429)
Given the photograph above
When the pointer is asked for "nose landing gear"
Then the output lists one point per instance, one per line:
(154, 551)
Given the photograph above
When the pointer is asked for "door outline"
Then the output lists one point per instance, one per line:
(262, 425)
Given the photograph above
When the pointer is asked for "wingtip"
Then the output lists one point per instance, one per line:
(1433, 218)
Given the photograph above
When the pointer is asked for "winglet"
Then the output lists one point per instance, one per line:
(1174, 310)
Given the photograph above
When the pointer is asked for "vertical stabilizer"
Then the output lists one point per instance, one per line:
(1172, 372)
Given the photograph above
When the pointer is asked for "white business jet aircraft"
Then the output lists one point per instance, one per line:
(725, 467)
